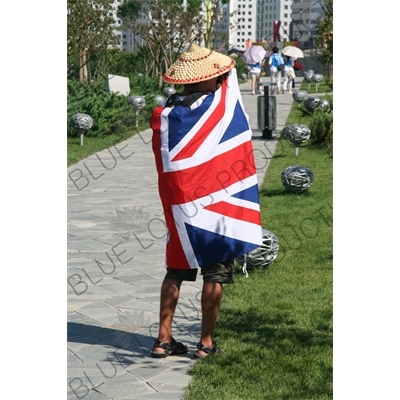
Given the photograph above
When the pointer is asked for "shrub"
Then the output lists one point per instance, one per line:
(111, 112)
(321, 126)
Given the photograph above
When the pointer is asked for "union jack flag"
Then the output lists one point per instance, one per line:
(207, 179)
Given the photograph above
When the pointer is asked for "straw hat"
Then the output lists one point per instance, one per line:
(198, 64)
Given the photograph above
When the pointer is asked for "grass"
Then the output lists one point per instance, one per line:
(276, 325)
(91, 145)
(322, 87)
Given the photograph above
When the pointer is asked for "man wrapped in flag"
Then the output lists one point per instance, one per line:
(208, 187)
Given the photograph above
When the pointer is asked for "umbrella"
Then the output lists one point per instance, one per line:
(254, 54)
(292, 51)
(238, 48)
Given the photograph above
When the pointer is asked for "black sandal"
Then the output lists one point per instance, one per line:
(210, 351)
(171, 348)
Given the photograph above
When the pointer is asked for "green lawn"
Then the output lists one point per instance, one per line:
(276, 325)
(92, 145)
(322, 87)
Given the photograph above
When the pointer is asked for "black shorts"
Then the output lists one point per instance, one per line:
(222, 272)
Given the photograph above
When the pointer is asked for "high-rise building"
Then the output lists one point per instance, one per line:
(127, 40)
(242, 22)
(247, 21)
(118, 22)
(304, 19)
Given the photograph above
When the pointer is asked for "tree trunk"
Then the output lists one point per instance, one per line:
(83, 74)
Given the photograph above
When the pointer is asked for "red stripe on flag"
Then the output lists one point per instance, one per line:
(192, 146)
(234, 211)
(214, 175)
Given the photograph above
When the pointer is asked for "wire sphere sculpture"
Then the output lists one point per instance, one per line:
(309, 71)
(297, 133)
(82, 122)
(159, 99)
(169, 91)
(297, 178)
(308, 76)
(242, 76)
(317, 78)
(299, 95)
(137, 102)
(325, 105)
(312, 102)
(263, 255)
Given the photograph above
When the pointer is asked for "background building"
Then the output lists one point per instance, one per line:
(245, 21)
(118, 22)
(304, 20)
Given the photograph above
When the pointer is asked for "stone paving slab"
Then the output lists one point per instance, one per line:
(114, 276)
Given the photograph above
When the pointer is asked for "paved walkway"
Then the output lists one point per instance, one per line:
(116, 243)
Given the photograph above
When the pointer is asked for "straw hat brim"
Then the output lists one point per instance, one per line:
(198, 64)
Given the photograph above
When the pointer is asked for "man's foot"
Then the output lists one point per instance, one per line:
(163, 349)
(204, 351)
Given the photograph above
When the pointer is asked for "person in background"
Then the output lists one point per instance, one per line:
(274, 61)
(255, 73)
(287, 77)
(297, 66)
(294, 73)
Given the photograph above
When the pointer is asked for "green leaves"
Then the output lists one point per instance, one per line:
(90, 26)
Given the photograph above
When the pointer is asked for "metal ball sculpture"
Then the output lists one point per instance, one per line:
(169, 91)
(317, 78)
(325, 105)
(312, 102)
(82, 123)
(159, 100)
(243, 76)
(137, 102)
(308, 77)
(261, 256)
(297, 133)
(299, 96)
(297, 178)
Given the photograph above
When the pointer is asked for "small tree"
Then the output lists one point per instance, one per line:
(90, 28)
(212, 16)
(324, 39)
(169, 27)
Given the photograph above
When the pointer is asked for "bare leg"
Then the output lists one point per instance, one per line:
(210, 302)
(168, 301)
